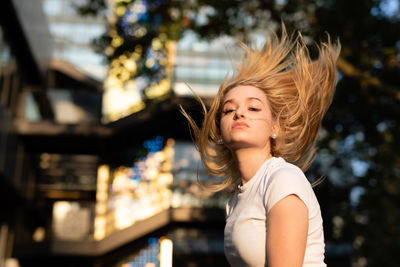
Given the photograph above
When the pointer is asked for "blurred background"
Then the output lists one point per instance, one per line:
(97, 165)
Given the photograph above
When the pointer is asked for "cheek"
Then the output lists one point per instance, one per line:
(262, 129)
(223, 127)
(265, 116)
(262, 121)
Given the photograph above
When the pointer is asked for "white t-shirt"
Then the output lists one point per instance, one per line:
(246, 221)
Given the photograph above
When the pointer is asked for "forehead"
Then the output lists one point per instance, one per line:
(244, 92)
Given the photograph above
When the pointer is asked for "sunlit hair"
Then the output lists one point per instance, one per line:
(299, 91)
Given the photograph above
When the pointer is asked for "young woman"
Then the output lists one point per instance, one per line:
(259, 134)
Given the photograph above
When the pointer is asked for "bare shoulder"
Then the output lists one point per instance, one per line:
(291, 205)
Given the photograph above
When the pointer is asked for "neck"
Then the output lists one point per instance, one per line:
(249, 160)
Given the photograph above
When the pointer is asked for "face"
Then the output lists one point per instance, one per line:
(246, 119)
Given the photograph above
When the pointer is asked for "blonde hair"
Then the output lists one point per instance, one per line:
(299, 91)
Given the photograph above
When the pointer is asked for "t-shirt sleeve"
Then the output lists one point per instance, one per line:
(284, 182)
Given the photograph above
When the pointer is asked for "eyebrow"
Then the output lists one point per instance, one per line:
(249, 98)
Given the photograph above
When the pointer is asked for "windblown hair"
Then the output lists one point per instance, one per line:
(299, 91)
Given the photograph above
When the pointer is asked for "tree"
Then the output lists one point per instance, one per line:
(358, 144)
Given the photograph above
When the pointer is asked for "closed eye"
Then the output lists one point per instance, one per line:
(227, 111)
(254, 109)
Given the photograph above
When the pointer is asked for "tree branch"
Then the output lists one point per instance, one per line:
(366, 79)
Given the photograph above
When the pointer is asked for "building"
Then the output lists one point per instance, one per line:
(55, 154)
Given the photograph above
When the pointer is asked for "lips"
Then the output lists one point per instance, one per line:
(240, 125)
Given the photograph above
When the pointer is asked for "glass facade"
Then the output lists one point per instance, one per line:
(126, 195)
(192, 246)
(9, 88)
(74, 106)
(188, 171)
(165, 178)
(77, 198)
(9, 76)
(73, 36)
(202, 64)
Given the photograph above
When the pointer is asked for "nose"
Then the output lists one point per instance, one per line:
(239, 113)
